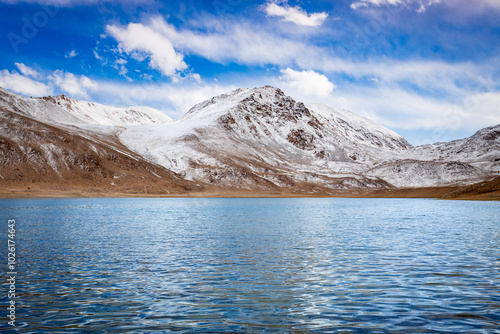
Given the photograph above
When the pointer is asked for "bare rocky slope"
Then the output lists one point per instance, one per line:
(260, 138)
(251, 138)
(247, 141)
(36, 156)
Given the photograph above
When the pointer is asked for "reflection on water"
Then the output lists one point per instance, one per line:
(257, 265)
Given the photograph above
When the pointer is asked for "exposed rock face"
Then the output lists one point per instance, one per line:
(37, 155)
(274, 138)
(261, 138)
(255, 140)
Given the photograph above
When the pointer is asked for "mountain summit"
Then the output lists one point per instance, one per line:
(261, 138)
(64, 110)
(246, 140)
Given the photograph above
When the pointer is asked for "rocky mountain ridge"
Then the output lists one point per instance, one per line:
(64, 110)
(246, 140)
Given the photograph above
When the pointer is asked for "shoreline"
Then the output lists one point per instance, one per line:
(448, 193)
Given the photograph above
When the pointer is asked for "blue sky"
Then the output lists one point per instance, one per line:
(428, 69)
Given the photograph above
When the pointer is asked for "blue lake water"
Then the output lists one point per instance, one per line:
(255, 265)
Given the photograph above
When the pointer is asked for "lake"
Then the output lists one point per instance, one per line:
(254, 265)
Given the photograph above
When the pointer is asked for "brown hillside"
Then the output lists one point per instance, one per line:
(487, 190)
(38, 157)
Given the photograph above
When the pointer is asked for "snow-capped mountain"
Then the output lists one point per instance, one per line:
(260, 137)
(39, 158)
(63, 110)
(255, 139)
(480, 150)
(458, 162)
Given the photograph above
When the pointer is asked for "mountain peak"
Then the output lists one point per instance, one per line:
(256, 138)
(56, 97)
(266, 101)
(268, 93)
(65, 110)
(268, 89)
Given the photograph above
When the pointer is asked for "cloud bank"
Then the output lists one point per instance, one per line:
(30, 82)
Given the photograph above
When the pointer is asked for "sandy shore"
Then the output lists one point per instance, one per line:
(435, 192)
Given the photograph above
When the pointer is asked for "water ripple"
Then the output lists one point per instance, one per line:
(256, 265)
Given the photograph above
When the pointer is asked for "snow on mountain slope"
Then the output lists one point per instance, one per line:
(481, 149)
(414, 173)
(357, 128)
(37, 156)
(260, 134)
(36, 108)
(59, 109)
(96, 113)
(260, 139)
(459, 162)
(363, 139)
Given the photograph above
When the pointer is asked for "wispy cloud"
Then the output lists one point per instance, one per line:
(143, 42)
(71, 54)
(295, 14)
(173, 98)
(70, 3)
(120, 66)
(419, 5)
(239, 42)
(27, 71)
(23, 84)
(420, 88)
(466, 6)
(76, 86)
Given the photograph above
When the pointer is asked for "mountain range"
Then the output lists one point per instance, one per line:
(249, 142)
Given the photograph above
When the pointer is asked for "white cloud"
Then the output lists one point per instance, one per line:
(88, 83)
(23, 85)
(482, 108)
(71, 54)
(295, 14)
(420, 5)
(141, 41)
(27, 71)
(365, 3)
(76, 86)
(96, 55)
(247, 45)
(47, 81)
(240, 42)
(69, 3)
(306, 85)
(120, 66)
(174, 99)
(402, 110)
(466, 6)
